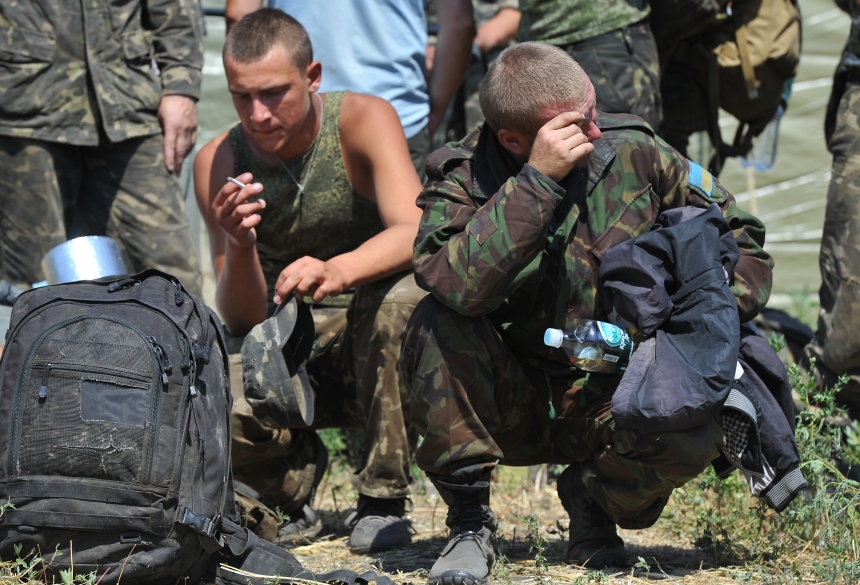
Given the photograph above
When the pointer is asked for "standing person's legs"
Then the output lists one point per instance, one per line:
(685, 105)
(38, 182)
(836, 345)
(129, 195)
(624, 67)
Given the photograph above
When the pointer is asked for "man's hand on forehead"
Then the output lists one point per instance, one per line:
(560, 144)
(586, 118)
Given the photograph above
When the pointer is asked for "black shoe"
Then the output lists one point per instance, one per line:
(378, 525)
(594, 541)
(469, 554)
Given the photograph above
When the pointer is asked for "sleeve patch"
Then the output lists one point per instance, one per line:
(702, 181)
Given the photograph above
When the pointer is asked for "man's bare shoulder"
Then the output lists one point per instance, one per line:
(216, 152)
(367, 118)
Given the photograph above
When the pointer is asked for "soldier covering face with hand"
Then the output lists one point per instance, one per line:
(517, 218)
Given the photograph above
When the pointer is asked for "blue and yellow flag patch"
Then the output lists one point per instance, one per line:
(702, 182)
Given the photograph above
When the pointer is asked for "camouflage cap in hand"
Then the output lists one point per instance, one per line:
(273, 367)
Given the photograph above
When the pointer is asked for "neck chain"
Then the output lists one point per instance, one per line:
(301, 185)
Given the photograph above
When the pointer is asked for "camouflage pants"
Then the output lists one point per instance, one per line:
(625, 70)
(353, 372)
(836, 345)
(53, 192)
(477, 402)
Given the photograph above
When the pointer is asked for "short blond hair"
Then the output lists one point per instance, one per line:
(525, 79)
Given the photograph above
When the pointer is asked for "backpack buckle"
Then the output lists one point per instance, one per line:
(198, 522)
(129, 538)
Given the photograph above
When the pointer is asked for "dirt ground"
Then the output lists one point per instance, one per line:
(514, 497)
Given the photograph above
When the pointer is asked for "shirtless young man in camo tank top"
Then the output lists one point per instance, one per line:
(328, 208)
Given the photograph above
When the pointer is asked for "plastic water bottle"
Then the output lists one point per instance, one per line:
(763, 153)
(594, 346)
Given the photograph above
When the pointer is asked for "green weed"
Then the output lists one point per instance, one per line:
(282, 516)
(777, 341)
(501, 573)
(538, 542)
(735, 528)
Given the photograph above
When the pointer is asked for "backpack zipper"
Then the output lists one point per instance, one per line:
(163, 361)
(185, 414)
(48, 367)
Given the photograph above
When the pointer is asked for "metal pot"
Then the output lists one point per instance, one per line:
(84, 258)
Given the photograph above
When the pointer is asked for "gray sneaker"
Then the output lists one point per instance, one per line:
(469, 554)
(378, 525)
(465, 560)
(594, 541)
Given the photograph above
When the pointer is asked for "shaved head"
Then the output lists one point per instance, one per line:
(526, 80)
(259, 32)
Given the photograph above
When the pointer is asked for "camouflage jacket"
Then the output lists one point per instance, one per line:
(560, 22)
(71, 67)
(506, 241)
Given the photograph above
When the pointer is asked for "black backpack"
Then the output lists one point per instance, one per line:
(115, 456)
(115, 410)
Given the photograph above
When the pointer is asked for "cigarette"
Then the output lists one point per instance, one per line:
(237, 183)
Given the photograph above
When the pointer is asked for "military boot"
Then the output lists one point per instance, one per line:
(593, 542)
(469, 555)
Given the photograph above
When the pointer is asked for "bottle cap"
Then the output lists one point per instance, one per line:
(553, 337)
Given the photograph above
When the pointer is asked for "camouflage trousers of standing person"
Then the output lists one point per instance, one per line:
(836, 344)
(477, 402)
(52, 192)
(624, 67)
(354, 375)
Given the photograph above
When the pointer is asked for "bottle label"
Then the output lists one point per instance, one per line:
(613, 335)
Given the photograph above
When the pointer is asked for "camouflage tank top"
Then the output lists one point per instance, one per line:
(327, 220)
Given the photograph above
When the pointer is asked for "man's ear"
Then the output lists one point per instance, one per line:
(314, 72)
(515, 142)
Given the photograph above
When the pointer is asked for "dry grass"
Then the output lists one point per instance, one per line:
(711, 531)
(663, 553)
(666, 549)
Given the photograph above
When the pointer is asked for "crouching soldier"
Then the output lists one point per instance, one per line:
(516, 220)
(327, 213)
